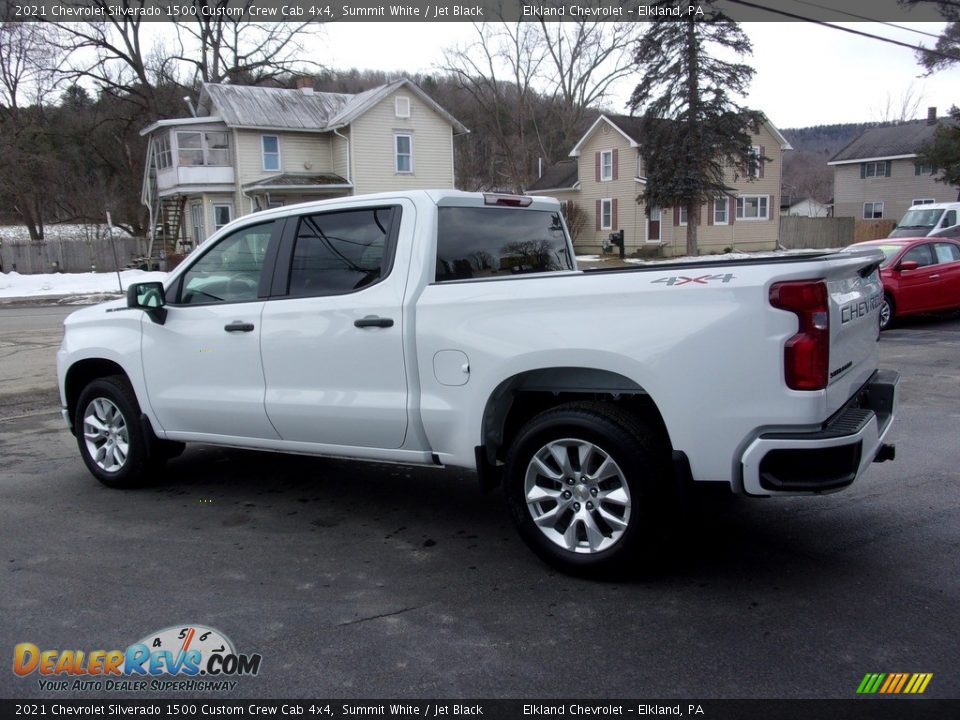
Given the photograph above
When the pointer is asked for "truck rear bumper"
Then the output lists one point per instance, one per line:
(829, 459)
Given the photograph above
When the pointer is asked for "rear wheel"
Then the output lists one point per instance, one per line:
(113, 442)
(583, 481)
(886, 312)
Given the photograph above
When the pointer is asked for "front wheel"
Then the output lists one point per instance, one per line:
(110, 434)
(583, 481)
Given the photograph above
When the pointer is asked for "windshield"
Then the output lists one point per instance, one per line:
(917, 219)
(889, 252)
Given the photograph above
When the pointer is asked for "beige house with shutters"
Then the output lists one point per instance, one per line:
(251, 148)
(605, 175)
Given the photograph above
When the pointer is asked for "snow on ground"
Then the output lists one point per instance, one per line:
(587, 258)
(15, 285)
(61, 232)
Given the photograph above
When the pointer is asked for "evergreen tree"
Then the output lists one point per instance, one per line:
(943, 152)
(693, 128)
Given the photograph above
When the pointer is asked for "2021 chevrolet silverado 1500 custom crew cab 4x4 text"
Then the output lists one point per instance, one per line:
(448, 328)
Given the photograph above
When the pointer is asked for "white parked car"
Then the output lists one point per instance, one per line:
(447, 328)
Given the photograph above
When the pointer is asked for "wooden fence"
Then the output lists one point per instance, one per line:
(29, 257)
(817, 233)
(873, 229)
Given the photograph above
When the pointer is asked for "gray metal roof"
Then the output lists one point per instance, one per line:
(249, 106)
(887, 142)
(298, 180)
(265, 107)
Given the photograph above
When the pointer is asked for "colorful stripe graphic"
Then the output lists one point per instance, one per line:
(894, 683)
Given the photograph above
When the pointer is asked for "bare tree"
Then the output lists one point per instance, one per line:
(899, 110)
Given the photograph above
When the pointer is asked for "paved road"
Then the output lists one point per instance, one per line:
(29, 338)
(370, 580)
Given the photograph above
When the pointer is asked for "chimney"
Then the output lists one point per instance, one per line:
(305, 85)
(931, 116)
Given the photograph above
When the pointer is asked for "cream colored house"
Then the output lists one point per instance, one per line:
(605, 176)
(878, 175)
(251, 148)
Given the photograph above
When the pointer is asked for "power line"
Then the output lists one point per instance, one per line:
(868, 19)
(794, 16)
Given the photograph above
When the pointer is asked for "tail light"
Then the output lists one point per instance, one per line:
(507, 200)
(806, 357)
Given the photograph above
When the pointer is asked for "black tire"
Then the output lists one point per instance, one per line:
(887, 311)
(598, 431)
(139, 460)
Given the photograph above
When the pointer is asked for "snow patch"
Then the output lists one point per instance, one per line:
(15, 285)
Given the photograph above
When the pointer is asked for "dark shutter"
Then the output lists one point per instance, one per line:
(863, 170)
(598, 210)
(613, 209)
(732, 214)
(676, 215)
(710, 212)
(616, 172)
(886, 170)
(760, 160)
(596, 157)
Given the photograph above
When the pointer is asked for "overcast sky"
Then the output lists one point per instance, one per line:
(806, 74)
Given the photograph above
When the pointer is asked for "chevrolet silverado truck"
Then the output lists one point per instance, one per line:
(440, 328)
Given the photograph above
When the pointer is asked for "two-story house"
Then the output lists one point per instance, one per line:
(605, 176)
(879, 176)
(251, 148)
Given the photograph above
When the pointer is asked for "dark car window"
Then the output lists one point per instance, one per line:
(230, 271)
(920, 254)
(339, 252)
(947, 252)
(949, 219)
(499, 242)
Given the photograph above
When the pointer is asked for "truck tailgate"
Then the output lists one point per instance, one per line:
(856, 294)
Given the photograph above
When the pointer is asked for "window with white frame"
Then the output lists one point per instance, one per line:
(401, 107)
(164, 155)
(270, 151)
(606, 214)
(222, 214)
(606, 165)
(922, 168)
(683, 215)
(403, 152)
(875, 169)
(203, 148)
(753, 207)
(756, 157)
(720, 209)
(923, 201)
(873, 210)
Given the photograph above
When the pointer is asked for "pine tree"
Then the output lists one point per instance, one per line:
(943, 151)
(692, 126)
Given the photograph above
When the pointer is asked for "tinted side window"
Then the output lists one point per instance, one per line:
(499, 242)
(920, 254)
(339, 252)
(949, 219)
(947, 252)
(230, 270)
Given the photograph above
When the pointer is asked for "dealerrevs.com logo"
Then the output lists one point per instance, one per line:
(188, 657)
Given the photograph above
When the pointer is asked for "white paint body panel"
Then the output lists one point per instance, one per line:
(709, 355)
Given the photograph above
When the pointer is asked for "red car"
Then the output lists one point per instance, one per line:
(919, 275)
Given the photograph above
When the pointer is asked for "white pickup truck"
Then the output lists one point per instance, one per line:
(445, 328)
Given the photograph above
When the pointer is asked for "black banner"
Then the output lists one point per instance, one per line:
(854, 709)
(461, 11)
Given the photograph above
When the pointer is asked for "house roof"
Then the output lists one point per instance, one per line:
(248, 106)
(887, 143)
(291, 180)
(630, 127)
(562, 176)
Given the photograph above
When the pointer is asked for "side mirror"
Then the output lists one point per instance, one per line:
(908, 265)
(149, 297)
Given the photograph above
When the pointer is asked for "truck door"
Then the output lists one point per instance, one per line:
(332, 345)
(202, 366)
